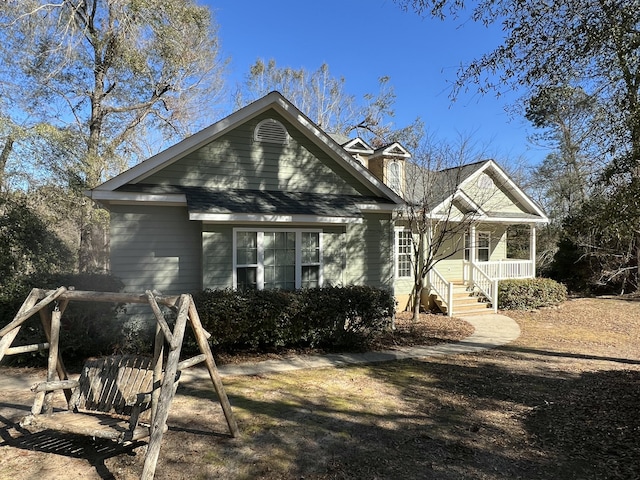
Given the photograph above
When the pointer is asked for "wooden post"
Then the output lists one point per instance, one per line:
(198, 331)
(46, 319)
(166, 392)
(158, 352)
(52, 366)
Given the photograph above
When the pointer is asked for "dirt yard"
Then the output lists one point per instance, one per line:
(561, 402)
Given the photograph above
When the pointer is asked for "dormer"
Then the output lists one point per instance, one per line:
(388, 164)
(360, 150)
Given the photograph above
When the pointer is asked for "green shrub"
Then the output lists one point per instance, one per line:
(529, 294)
(331, 318)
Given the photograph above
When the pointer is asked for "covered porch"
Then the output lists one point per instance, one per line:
(468, 283)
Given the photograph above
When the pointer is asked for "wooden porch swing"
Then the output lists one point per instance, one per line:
(123, 398)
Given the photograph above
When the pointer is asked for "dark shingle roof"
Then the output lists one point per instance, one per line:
(434, 187)
(209, 200)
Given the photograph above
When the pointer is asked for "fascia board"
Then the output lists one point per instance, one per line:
(367, 207)
(109, 197)
(514, 220)
(265, 218)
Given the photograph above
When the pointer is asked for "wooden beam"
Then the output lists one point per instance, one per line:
(36, 347)
(160, 319)
(191, 362)
(201, 338)
(8, 338)
(114, 297)
(22, 316)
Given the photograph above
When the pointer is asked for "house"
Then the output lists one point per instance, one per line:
(265, 199)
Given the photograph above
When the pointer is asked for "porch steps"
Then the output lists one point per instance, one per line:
(465, 302)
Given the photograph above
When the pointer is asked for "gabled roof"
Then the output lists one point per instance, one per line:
(392, 150)
(108, 190)
(357, 145)
(452, 185)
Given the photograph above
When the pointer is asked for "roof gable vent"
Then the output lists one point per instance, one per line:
(271, 131)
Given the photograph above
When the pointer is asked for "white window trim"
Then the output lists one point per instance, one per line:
(488, 248)
(397, 252)
(260, 254)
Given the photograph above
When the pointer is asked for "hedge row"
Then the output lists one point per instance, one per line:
(529, 294)
(330, 317)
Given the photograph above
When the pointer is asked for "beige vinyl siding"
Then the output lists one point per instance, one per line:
(217, 256)
(498, 242)
(369, 252)
(155, 248)
(235, 160)
(495, 200)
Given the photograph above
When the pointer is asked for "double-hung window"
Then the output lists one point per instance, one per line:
(404, 253)
(483, 246)
(277, 259)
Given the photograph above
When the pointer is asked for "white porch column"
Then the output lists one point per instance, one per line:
(472, 252)
(532, 249)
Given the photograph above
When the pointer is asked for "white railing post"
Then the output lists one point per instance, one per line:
(532, 250)
(494, 302)
(472, 254)
(450, 299)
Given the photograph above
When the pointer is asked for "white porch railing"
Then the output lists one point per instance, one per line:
(442, 288)
(502, 269)
(487, 285)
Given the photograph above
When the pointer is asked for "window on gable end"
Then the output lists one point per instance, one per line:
(395, 177)
(271, 131)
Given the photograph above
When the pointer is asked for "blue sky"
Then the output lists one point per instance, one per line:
(363, 40)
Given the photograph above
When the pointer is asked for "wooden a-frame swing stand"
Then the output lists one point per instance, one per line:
(111, 393)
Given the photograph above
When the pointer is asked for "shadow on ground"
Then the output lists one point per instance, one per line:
(94, 451)
(490, 417)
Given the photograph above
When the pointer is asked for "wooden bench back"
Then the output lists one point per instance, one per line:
(106, 383)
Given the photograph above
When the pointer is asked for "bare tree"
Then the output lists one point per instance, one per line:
(115, 74)
(437, 213)
(324, 99)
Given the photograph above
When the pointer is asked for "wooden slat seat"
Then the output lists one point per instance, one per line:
(92, 424)
(106, 401)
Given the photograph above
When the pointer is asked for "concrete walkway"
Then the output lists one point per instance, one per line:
(491, 330)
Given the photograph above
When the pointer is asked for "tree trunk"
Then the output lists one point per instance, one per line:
(417, 295)
(4, 157)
